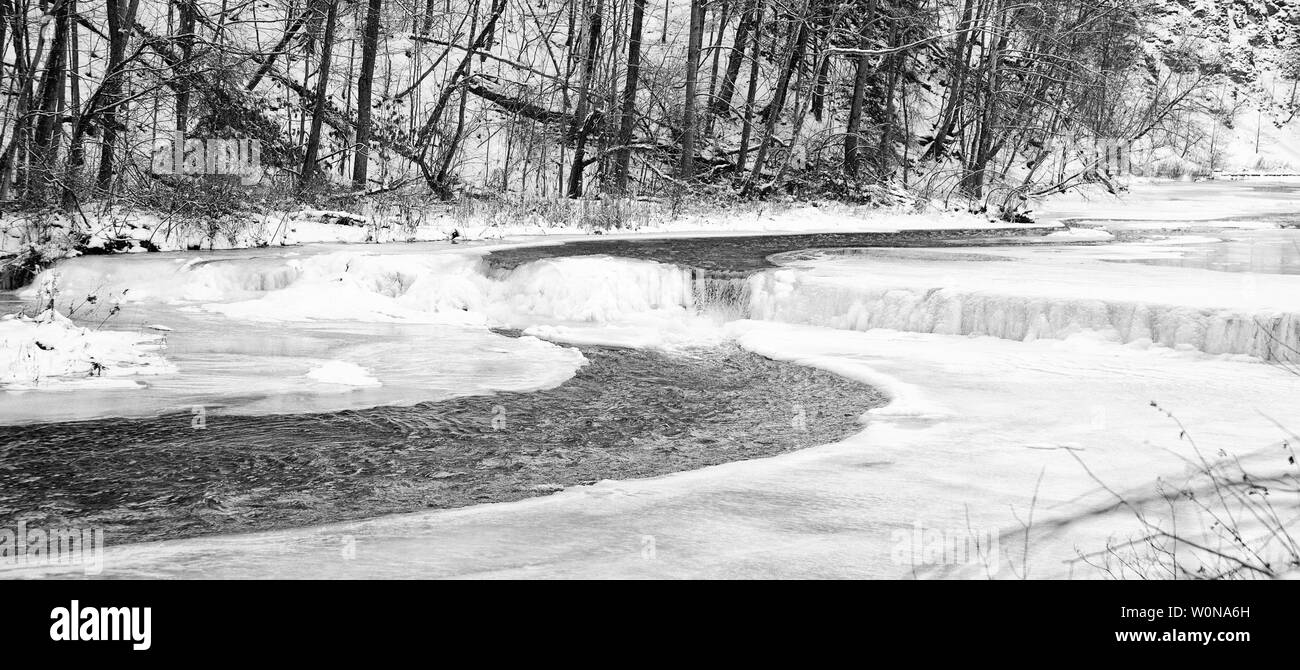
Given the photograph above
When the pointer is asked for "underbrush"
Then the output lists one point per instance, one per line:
(219, 212)
(1227, 517)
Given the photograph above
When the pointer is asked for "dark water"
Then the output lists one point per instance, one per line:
(740, 256)
(628, 413)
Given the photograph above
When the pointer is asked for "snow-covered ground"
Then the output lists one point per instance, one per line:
(49, 352)
(1014, 373)
(438, 222)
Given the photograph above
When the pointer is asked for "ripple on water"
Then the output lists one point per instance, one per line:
(628, 413)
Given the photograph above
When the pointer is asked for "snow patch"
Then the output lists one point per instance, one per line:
(343, 373)
(36, 352)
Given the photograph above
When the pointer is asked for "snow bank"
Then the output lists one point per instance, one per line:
(43, 351)
(129, 231)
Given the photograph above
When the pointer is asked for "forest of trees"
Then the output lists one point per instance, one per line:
(985, 100)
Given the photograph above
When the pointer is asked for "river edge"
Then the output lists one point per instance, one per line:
(628, 413)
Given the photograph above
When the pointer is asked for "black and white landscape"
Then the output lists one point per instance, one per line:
(627, 288)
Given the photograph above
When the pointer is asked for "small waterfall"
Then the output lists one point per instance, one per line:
(168, 278)
(788, 297)
(721, 292)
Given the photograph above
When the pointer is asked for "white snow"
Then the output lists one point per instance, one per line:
(437, 222)
(343, 373)
(42, 351)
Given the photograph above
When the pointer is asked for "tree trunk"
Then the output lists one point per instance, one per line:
(186, 40)
(10, 158)
(722, 101)
(121, 17)
(440, 182)
(426, 131)
(747, 125)
(629, 98)
(851, 133)
(50, 120)
(76, 148)
(957, 87)
(369, 45)
(885, 152)
(723, 18)
(581, 126)
(800, 42)
(4, 29)
(819, 89)
(693, 49)
(309, 167)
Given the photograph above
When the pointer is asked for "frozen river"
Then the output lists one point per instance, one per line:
(1021, 380)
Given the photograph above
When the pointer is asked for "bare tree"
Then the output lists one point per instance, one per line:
(310, 170)
(628, 115)
(369, 45)
(694, 46)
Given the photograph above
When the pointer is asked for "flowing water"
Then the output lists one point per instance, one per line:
(627, 413)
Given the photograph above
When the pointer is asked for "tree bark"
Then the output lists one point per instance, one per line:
(863, 71)
(369, 46)
(694, 46)
(800, 42)
(121, 18)
(309, 168)
(50, 112)
(626, 122)
(747, 124)
(722, 101)
(186, 40)
(723, 18)
(957, 87)
(581, 124)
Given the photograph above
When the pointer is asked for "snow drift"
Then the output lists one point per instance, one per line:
(41, 350)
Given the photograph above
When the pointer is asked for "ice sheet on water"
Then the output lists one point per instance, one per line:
(1028, 294)
(418, 323)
